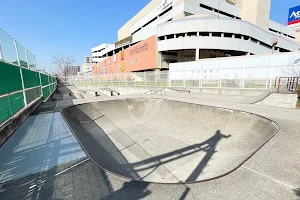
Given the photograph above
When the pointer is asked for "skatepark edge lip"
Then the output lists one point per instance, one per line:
(175, 183)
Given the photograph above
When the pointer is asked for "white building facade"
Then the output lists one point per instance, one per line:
(189, 30)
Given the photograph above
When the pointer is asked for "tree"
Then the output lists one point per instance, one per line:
(62, 63)
(293, 68)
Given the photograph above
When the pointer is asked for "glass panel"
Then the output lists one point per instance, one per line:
(31, 59)
(8, 48)
(22, 55)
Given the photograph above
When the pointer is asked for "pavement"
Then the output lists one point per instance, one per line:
(271, 173)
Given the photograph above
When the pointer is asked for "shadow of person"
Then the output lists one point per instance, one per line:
(212, 142)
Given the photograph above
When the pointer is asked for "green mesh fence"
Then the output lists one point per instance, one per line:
(45, 79)
(10, 78)
(31, 78)
(32, 94)
(11, 82)
(5, 109)
(46, 92)
(10, 105)
(17, 102)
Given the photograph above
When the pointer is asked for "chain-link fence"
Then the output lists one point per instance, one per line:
(20, 84)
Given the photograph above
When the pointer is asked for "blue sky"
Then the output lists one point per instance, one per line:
(72, 28)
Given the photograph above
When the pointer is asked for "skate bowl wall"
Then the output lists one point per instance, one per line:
(164, 141)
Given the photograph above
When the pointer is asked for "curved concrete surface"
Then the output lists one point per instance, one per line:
(165, 141)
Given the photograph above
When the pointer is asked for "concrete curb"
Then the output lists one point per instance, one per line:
(13, 123)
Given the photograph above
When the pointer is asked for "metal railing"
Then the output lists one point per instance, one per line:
(287, 84)
(165, 79)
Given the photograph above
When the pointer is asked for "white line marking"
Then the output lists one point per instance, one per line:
(31, 187)
(69, 168)
(282, 183)
(56, 105)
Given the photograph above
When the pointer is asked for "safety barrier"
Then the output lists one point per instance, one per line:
(20, 87)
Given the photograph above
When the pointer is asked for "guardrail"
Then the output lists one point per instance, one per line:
(170, 79)
(287, 84)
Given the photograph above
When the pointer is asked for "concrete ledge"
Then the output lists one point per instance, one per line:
(123, 90)
(93, 92)
(280, 100)
(7, 129)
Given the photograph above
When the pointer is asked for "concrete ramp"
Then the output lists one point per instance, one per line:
(165, 141)
(255, 99)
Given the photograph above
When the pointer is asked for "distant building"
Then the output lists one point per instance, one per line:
(173, 31)
(88, 59)
(87, 69)
(72, 70)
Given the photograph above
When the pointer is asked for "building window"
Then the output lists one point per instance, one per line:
(161, 38)
(206, 7)
(179, 35)
(216, 34)
(206, 34)
(167, 10)
(238, 36)
(170, 36)
(254, 40)
(265, 45)
(192, 34)
(228, 35)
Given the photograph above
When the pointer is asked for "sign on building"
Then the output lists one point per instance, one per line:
(164, 4)
(294, 16)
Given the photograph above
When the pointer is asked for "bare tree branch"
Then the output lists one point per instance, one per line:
(62, 63)
(293, 68)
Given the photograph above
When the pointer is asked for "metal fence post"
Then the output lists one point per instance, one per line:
(23, 87)
(271, 73)
(220, 73)
(41, 84)
(110, 78)
(1, 54)
(169, 78)
(34, 62)
(184, 78)
(202, 75)
(144, 79)
(27, 58)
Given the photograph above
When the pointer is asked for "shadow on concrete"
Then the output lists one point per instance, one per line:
(61, 99)
(132, 190)
(86, 181)
(207, 146)
(297, 192)
(63, 93)
(95, 140)
(42, 142)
